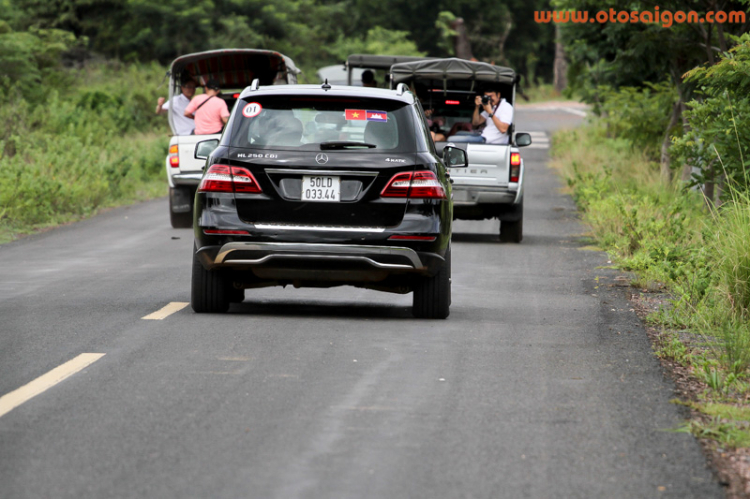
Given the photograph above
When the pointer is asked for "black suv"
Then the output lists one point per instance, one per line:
(324, 186)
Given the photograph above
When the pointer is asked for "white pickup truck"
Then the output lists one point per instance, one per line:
(491, 184)
(234, 69)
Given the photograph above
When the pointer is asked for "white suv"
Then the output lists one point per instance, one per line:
(491, 184)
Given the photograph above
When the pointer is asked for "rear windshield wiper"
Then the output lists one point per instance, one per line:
(344, 144)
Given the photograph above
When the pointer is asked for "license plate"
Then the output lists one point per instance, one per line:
(460, 196)
(321, 188)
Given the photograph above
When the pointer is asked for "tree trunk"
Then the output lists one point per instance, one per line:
(503, 38)
(709, 48)
(463, 45)
(561, 64)
(722, 39)
(666, 171)
(687, 170)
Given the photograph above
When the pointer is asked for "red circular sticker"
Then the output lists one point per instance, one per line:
(252, 110)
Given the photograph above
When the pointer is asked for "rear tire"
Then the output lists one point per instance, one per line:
(210, 292)
(511, 232)
(432, 295)
(182, 220)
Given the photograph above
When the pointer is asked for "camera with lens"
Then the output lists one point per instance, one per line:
(485, 100)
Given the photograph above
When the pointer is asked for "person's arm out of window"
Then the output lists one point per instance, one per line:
(477, 119)
(161, 106)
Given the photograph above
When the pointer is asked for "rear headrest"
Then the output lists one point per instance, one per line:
(382, 134)
(286, 130)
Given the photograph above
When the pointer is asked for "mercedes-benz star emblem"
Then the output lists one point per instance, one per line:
(321, 159)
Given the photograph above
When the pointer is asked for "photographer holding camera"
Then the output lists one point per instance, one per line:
(497, 113)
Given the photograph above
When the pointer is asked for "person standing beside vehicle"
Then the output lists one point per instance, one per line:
(183, 125)
(497, 113)
(209, 110)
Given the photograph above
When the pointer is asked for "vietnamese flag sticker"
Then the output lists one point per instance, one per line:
(356, 114)
(377, 116)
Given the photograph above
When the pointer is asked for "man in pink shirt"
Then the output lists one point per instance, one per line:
(209, 110)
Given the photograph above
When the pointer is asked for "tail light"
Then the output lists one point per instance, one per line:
(223, 178)
(174, 156)
(422, 184)
(515, 166)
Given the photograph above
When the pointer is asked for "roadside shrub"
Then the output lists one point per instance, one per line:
(30, 59)
(94, 146)
(638, 115)
(718, 141)
(728, 243)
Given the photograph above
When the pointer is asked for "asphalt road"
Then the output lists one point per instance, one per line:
(540, 384)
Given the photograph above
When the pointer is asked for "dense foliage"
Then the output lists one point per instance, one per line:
(638, 114)
(314, 33)
(629, 54)
(717, 143)
(67, 152)
(635, 76)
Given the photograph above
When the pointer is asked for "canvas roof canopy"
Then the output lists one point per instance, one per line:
(379, 61)
(235, 68)
(451, 69)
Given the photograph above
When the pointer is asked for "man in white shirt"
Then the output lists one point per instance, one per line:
(497, 113)
(183, 124)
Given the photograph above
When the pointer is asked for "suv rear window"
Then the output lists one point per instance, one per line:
(321, 123)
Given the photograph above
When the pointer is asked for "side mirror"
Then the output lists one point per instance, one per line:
(453, 157)
(523, 139)
(204, 149)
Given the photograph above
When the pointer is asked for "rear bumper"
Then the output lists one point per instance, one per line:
(467, 195)
(320, 262)
(190, 179)
(481, 203)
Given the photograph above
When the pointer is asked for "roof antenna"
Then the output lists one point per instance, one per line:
(325, 86)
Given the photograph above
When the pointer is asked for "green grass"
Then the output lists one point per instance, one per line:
(727, 424)
(541, 93)
(75, 150)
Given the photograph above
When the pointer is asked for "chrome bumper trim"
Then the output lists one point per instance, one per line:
(370, 261)
(321, 172)
(318, 251)
(331, 228)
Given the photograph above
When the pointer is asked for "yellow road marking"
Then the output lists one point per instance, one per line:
(43, 383)
(166, 311)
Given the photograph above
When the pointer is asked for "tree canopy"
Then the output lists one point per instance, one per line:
(314, 33)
